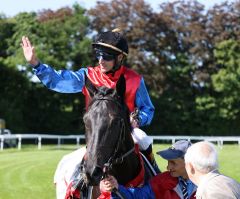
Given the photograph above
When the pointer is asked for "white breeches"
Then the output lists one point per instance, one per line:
(141, 138)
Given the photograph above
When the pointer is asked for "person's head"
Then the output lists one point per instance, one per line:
(110, 48)
(175, 157)
(201, 158)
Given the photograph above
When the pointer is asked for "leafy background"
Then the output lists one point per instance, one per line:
(189, 57)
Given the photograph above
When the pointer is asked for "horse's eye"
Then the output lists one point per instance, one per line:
(87, 126)
(87, 123)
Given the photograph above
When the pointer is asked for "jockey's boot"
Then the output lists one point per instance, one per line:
(150, 156)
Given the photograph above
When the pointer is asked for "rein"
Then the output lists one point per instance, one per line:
(119, 160)
(113, 159)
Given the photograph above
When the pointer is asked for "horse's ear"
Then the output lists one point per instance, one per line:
(121, 87)
(90, 87)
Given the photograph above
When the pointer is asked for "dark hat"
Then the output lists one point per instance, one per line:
(111, 41)
(177, 150)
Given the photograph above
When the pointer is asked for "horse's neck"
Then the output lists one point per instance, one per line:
(129, 169)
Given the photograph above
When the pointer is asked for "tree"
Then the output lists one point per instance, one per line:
(60, 39)
(174, 50)
(6, 32)
(137, 20)
(226, 81)
(188, 56)
(222, 105)
(14, 92)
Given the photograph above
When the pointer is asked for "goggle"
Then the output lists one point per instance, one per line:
(105, 56)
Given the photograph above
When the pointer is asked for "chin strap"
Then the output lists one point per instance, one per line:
(116, 66)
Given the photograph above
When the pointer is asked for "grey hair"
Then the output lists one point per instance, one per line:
(203, 156)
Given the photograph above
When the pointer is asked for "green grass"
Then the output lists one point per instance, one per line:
(28, 173)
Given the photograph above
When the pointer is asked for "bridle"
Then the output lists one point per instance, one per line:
(114, 159)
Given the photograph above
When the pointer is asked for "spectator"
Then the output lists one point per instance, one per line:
(201, 161)
(172, 184)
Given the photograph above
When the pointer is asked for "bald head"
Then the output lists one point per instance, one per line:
(203, 156)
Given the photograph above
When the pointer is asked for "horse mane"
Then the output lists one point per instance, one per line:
(109, 94)
(107, 101)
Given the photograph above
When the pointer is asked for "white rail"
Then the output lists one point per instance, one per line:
(39, 137)
(218, 139)
(19, 137)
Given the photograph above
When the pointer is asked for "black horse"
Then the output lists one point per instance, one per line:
(108, 137)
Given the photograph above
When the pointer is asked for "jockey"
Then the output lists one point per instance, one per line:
(111, 49)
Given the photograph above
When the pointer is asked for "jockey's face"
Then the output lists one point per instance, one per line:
(176, 167)
(105, 65)
(106, 61)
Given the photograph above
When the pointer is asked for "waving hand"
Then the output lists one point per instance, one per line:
(29, 51)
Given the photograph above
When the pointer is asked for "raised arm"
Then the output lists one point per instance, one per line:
(29, 51)
(63, 81)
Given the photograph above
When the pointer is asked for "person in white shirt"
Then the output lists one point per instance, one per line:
(201, 162)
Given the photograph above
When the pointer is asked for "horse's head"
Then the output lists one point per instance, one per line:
(107, 129)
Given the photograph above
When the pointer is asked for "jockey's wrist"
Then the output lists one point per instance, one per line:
(35, 65)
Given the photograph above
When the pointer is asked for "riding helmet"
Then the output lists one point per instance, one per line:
(111, 41)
